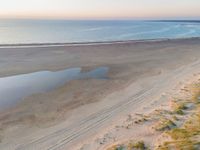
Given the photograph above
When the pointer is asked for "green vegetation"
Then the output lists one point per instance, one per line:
(140, 145)
(165, 124)
(179, 112)
(117, 147)
(187, 137)
(121, 147)
(181, 140)
(180, 132)
(175, 118)
(179, 107)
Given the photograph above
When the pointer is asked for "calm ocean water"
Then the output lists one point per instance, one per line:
(48, 31)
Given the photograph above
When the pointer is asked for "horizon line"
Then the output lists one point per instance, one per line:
(107, 19)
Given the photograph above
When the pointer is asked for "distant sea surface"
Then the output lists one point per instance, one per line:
(65, 31)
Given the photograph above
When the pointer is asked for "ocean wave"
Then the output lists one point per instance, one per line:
(95, 29)
(186, 34)
(148, 32)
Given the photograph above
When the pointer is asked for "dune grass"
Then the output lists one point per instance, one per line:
(179, 107)
(164, 124)
(131, 145)
(180, 125)
(186, 137)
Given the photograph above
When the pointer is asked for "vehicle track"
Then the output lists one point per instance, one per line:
(62, 137)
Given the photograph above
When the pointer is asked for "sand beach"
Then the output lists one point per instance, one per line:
(95, 113)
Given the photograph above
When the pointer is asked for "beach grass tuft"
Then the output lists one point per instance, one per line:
(187, 136)
(164, 124)
(131, 145)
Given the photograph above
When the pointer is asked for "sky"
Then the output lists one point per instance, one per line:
(100, 9)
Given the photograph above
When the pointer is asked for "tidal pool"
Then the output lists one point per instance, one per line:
(15, 88)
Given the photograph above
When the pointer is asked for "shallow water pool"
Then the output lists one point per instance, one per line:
(15, 88)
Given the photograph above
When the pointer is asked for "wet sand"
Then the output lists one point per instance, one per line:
(83, 110)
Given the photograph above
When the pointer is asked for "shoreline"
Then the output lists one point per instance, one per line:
(46, 45)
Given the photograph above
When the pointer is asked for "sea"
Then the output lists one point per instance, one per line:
(14, 31)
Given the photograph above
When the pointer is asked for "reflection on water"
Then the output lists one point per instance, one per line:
(15, 88)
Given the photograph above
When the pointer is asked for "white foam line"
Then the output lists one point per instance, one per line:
(91, 43)
(76, 44)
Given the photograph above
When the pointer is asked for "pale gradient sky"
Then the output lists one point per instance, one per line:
(103, 9)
